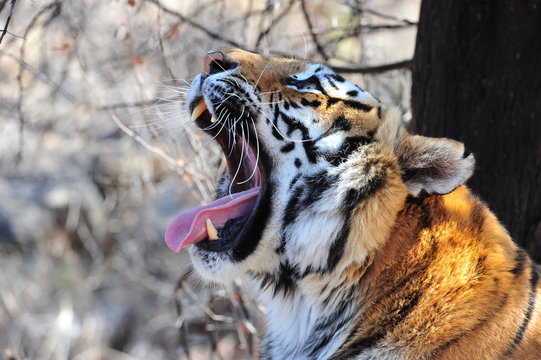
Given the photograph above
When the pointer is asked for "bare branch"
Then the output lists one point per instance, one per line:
(183, 334)
(274, 22)
(192, 23)
(5, 31)
(385, 16)
(405, 64)
(54, 6)
(142, 141)
(319, 47)
(123, 105)
(378, 27)
(361, 10)
(41, 76)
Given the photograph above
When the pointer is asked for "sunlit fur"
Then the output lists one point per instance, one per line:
(372, 247)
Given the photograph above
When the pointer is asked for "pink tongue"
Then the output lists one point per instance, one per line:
(189, 227)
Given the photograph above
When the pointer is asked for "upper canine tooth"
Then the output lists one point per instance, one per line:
(211, 230)
(199, 109)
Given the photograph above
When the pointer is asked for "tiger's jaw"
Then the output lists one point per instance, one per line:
(226, 231)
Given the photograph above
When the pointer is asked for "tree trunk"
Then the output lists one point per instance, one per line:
(477, 79)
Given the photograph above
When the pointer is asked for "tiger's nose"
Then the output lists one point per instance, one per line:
(215, 62)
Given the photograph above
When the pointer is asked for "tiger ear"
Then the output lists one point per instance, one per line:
(435, 165)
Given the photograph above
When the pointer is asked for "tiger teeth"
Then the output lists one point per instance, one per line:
(199, 109)
(211, 230)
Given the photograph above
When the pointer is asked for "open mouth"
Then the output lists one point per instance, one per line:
(218, 226)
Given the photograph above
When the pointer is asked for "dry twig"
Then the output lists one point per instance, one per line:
(319, 47)
(405, 64)
(10, 14)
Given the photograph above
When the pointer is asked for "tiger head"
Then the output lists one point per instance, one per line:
(317, 170)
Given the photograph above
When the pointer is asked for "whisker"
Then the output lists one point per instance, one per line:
(219, 131)
(271, 102)
(269, 92)
(261, 74)
(282, 135)
(257, 154)
(240, 164)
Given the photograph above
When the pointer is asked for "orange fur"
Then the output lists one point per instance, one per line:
(438, 276)
(450, 256)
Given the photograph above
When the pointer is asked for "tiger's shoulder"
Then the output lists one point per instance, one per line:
(449, 284)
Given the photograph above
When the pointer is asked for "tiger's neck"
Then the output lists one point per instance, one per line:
(309, 319)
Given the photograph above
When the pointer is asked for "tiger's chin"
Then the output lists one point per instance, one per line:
(214, 266)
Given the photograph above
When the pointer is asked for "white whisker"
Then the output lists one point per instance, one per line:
(261, 74)
(282, 135)
(257, 154)
(239, 165)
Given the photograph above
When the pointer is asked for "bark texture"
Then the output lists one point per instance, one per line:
(477, 79)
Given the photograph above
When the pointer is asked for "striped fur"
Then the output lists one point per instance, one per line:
(367, 244)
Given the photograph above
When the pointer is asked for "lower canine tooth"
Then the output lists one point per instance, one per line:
(211, 230)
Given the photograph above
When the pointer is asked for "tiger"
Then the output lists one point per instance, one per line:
(361, 240)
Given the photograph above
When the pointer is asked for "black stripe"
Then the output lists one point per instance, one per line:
(357, 105)
(352, 93)
(313, 103)
(294, 180)
(340, 123)
(292, 124)
(398, 315)
(534, 279)
(288, 147)
(326, 329)
(332, 101)
(520, 261)
(292, 209)
(284, 280)
(290, 215)
(338, 78)
(312, 80)
(303, 195)
(276, 116)
(350, 145)
(316, 185)
(332, 292)
(468, 332)
(246, 95)
(330, 80)
(353, 198)
(294, 105)
(339, 244)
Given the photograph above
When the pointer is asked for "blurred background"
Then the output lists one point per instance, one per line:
(97, 154)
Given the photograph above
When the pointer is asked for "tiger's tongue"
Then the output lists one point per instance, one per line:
(189, 226)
